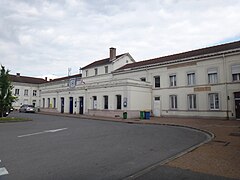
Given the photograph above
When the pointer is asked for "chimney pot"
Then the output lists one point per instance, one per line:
(112, 53)
(18, 74)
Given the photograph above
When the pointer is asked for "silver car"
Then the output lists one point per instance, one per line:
(27, 108)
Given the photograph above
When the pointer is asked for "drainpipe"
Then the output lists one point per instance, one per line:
(226, 85)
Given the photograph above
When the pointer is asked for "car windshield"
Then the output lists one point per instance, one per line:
(30, 106)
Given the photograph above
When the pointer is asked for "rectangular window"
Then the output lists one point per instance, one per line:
(106, 69)
(25, 92)
(119, 102)
(173, 80)
(236, 72)
(34, 92)
(16, 92)
(86, 73)
(157, 81)
(212, 76)
(191, 78)
(173, 101)
(157, 98)
(96, 71)
(213, 101)
(143, 79)
(105, 99)
(192, 104)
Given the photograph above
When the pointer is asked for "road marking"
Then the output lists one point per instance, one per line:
(43, 132)
(3, 171)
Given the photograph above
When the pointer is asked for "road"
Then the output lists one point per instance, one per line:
(54, 147)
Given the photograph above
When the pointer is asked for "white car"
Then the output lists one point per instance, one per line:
(27, 108)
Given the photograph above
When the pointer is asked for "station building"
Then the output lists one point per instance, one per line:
(199, 83)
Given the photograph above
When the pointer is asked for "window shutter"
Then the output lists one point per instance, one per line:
(212, 70)
(236, 69)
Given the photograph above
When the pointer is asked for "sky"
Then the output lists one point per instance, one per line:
(46, 37)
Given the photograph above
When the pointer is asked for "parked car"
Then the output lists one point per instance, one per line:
(27, 108)
(4, 114)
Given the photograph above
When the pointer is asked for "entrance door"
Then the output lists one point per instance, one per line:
(81, 105)
(62, 105)
(156, 107)
(71, 105)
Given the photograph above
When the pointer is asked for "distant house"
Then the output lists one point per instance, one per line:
(26, 89)
(200, 83)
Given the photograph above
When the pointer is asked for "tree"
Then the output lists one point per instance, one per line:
(6, 97)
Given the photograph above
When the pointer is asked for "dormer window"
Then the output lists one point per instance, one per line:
(143, 79)
(96, 71)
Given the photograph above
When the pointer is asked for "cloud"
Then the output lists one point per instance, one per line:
(39, 38)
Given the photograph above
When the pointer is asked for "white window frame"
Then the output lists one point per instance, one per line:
(34, 92)
(173, 102)
(191, 78)
(95, 71)
(235, 72)
(155, 81)
(214, 101)
(106, 69)
(212, 75)
(105, 106)
(192, 101)
(17, 92)
(25, 92)
(172, 80)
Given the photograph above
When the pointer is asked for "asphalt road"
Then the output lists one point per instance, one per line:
(54, 147)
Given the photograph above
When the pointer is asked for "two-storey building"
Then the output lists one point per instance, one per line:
(199, 83)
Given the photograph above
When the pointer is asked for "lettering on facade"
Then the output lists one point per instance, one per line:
(199, 89)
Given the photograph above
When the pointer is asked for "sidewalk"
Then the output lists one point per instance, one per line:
(220, 157)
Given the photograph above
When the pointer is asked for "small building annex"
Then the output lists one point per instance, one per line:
(199, 83)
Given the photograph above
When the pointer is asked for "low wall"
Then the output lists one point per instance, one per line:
(53, 110)
(114, 113)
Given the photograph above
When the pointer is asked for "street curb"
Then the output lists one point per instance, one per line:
(156, 165)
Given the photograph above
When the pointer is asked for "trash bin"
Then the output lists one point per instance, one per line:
(141, 114)
(147, 115)
(124, 115)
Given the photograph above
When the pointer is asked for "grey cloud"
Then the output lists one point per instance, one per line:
(46, 37)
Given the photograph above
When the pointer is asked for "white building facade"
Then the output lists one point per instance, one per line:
(201, 83)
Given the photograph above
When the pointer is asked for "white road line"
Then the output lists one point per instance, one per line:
(43, 132)
(3, 171)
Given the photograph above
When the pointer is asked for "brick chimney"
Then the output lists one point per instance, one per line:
(112, 53)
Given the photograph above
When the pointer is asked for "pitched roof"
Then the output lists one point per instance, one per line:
(101, 62)
(25, 79)
(184, 55)
(66, 77)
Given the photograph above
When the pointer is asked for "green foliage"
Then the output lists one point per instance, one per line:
(6, 97)
(13, 119)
